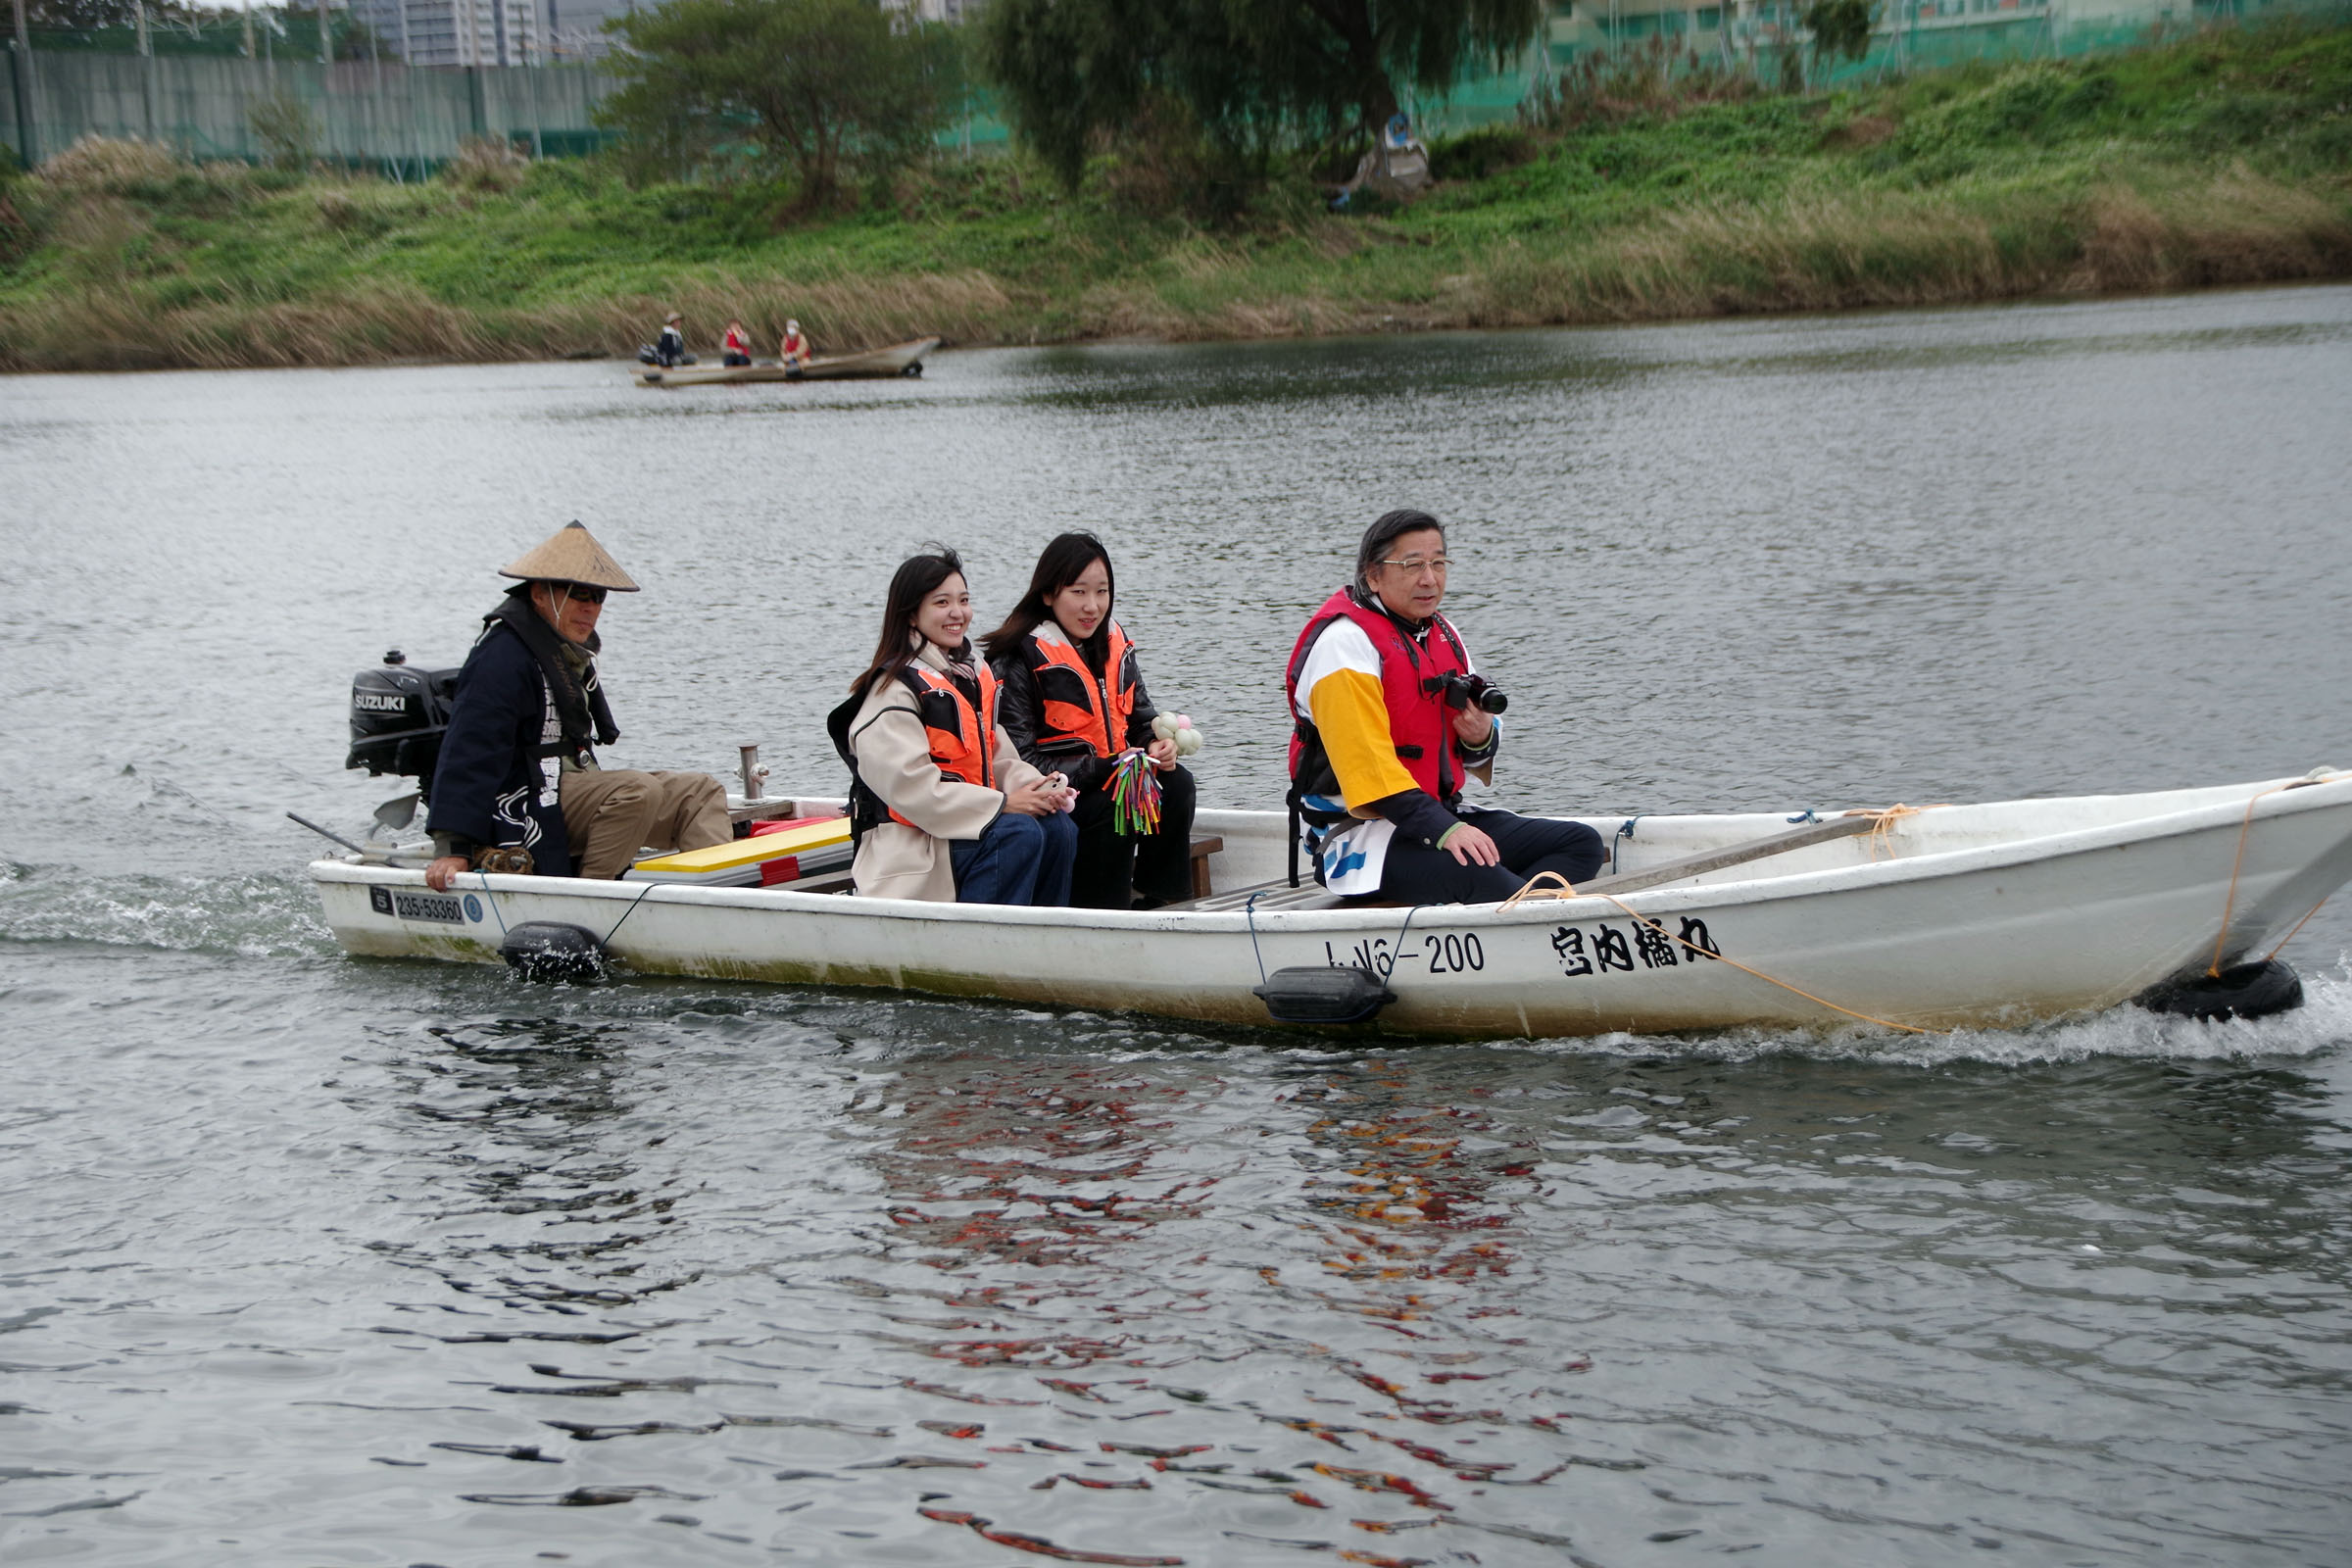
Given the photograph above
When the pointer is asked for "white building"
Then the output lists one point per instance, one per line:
(458, 32)
(576, 28)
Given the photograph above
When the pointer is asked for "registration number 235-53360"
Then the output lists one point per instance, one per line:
(1444, 951)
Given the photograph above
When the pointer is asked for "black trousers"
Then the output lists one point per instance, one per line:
(1111, 869)
(1418, 874)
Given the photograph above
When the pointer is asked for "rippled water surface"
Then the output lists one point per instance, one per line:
(309, 1260)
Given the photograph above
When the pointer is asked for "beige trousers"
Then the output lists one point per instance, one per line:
(610, 814)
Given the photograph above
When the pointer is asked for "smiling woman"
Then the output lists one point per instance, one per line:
(942, 806)
(1075, 702)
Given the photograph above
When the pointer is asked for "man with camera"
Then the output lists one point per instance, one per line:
(1389, 717)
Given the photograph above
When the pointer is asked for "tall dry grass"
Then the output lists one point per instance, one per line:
(2163, 229)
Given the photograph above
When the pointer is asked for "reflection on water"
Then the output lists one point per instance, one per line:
(311, 1260)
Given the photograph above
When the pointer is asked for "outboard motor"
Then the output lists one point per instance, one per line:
(398, 715)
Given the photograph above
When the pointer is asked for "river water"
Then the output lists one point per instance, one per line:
(315, 1261)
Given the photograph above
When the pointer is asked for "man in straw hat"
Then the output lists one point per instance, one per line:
(529, 694)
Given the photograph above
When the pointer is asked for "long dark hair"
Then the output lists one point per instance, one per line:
(909, 586)
(1062, 564)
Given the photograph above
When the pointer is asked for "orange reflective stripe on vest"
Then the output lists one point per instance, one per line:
(1073, 703)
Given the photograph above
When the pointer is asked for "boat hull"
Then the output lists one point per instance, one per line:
(899, 359)
(1926, 928)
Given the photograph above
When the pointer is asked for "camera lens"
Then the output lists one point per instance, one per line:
(1493, 701)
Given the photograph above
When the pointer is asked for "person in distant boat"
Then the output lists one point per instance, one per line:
(737, 349)
(1074, 700)
(793, 352)
(942, 804)
(1388, 716)
(530, 695)
(670, 349)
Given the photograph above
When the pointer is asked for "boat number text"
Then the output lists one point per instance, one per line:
(1445, 952)
(416, 905)
(1607, 948)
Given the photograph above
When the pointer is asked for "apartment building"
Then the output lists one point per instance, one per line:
(458, 32)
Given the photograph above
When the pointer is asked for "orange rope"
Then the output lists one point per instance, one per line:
(1567, 890)
(2245, 828)
(1883, 820)
(2299, 925)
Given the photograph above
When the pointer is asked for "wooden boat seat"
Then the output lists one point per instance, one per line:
(1205, 844)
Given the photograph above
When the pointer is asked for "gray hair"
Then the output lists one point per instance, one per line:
(1384, 532)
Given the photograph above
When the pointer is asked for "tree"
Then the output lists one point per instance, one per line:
(815, 90)
(1838, 27)
(1249, 72)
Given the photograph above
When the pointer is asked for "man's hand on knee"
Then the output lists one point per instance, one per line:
(1470, 845)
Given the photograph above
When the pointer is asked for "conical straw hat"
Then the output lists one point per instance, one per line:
(571, 554)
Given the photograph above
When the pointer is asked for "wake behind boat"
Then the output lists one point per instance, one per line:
(899, 359)
(1998, 914)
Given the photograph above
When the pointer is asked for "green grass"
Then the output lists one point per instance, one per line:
(2225, 157)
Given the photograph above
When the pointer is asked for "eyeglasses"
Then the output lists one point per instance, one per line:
(585, 594)
(1414, 566)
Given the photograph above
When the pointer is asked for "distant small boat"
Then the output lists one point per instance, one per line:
(899, 359)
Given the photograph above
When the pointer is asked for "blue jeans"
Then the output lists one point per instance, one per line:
(1019, 859)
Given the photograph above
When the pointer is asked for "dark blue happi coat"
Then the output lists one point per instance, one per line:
(492, 785)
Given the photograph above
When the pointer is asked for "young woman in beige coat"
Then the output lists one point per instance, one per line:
(947, 809)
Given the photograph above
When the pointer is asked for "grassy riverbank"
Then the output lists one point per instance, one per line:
(2224, 158)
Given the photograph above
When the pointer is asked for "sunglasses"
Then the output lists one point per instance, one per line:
(585, 594)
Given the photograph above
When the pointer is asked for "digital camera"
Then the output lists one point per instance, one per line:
(1468, 691)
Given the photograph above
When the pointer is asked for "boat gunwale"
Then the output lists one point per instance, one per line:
(2334, 791)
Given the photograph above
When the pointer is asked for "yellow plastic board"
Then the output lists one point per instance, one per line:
(751, 852)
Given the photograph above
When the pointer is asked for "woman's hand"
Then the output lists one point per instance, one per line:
(438, 875)
(1162, 753)
(1041, 796)
(1469, 846)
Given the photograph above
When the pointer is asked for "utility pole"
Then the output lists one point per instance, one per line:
(27, 153)
(138, 11)
(324, 53)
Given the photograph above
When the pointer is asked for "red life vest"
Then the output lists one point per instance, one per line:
(1420, 724)
(1074, 704)
(736, 342)
(792, 346)
(963, 739)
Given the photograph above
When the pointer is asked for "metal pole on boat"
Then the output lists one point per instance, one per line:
(324, 834)
(754, 777)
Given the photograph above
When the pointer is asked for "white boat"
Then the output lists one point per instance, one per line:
(1998, 913)
(899, 359)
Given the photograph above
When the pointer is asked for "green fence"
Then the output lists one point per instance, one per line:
(400, 120)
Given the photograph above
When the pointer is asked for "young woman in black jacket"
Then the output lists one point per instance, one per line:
(1072, 699)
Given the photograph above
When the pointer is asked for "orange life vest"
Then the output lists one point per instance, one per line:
(1074, 704)
(963, 739)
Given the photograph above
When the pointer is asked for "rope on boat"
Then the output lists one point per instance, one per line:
(1251, 909)
(491, 899)
(1536, 888)
(625, 913)
(2246, 827)
(1883, 820)
(1397, 952)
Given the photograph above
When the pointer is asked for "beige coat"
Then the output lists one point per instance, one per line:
(893, 753)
